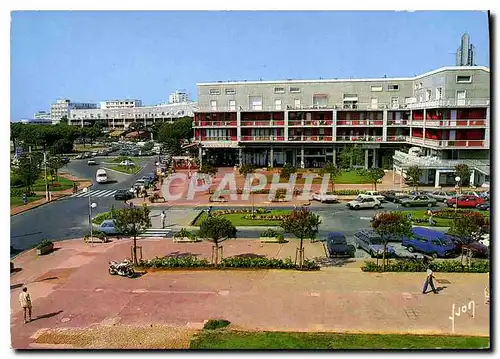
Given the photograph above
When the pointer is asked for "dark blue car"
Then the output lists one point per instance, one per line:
(336, 245)
(430, 242)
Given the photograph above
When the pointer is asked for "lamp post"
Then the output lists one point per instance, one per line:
(91, 205)
(46, 182)
(457, 179)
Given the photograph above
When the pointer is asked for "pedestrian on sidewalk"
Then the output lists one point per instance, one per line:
(75, 187)
(429, 281)
(162, 216)
(137, 191)
(25, 199)
(25, 301)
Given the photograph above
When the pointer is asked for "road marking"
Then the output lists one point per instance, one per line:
(98, 193)
(106, 193)
(366, 218)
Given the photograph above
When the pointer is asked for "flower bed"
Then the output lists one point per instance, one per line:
(272, 236)
(268, 217)
(44, 247)
(449, 266)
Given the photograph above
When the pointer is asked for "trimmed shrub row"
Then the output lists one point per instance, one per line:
(267, 217)
(476, 266)
(346, 192)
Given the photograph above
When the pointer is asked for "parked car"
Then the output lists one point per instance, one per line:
(101, 176)
(393, 196)
(429, 241)
(484, 207)
(441, 196)
(65, 159)
(336, 246)
(123, 195)
(377, 195)
(418, 201)
(127, 163)
(330, 198)
(363, 202)
(108, 227)
(486, 185)
(91, 162)
(465, 201)
(478, 250)
(372, 243)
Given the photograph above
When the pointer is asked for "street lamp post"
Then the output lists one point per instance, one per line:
(457, 179)
(91, 205)
(46, 182)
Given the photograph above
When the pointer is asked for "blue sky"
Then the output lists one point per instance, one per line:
(95, 56)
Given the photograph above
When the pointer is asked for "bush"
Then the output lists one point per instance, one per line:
(17, 192)
(262, 210)
(16, 181)
(95, 234)
(270, 233)
(451, 213)
(175, 262)
(267, 217)
(287, 170)
(405, 265)
(44, 243)
(346, 192)
(101, 217)
(185, 233)
(216, 324)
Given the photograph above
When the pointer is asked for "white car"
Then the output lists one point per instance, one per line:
(126, 163)
(364, 202)
(101, 176)
(375, 195)
(91, 162)
(324, 197)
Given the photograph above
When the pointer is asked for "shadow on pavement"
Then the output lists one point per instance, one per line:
(49, 315)
(178, 254)
(249, 255)
(333, 262)
(14, 286)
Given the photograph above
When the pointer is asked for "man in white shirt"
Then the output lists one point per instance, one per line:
(429, 281)
(162, 216)
(25, 301)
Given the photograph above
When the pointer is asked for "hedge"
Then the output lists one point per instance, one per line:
(346, 192)
(449, 266)
(226, 263)
(44, 243)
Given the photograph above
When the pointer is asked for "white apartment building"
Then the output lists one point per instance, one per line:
(123, 103)
(178, 96)
(62, 107)
(42, 115)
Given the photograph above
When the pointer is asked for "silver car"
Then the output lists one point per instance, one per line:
(364, 202)
(441, 196)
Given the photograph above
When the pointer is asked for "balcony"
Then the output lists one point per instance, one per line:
(360, 138)
(362, 106)
(398, 123)
(317, 138)
(215, 124)
(448, 143)
(349, 123)
(261, 138)
(455, 123)
(475, 102)
(396, 138)
(262, 123)
(220, 138)
(318, 123)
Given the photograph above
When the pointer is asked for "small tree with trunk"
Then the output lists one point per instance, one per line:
(375, 175)
(469, 227)
(389, 225)
(462, 171)
(287, 170)
(28, 171)
(333, 173)
(246, 169)
(54, 163)
(217, 230)
(303, 224)
(413, 174)
(133, 222)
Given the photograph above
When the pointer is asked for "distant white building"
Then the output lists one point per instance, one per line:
(61, 109)
(42, 115)
(36, 121)
(178, 96)
(123, 103)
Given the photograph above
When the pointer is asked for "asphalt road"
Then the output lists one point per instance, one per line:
(68, 217)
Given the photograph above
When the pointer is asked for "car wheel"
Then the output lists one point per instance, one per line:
(376, 206)
(434, 255)
(455, 205)
(112, 271)
(358, 246)
(411, 249)
(445, 200)
(406, 205)
(356, 207)
(430, 204)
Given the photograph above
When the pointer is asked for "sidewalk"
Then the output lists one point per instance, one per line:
(71, 288)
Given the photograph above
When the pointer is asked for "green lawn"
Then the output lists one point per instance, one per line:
(126, 169)
(238, 220)
(297, 181)
(351, 177)
(58, 185)
(18, 200)
(122, 158)
(279, 340)
(440, 222)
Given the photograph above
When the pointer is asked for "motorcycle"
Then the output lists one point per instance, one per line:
(123, 268)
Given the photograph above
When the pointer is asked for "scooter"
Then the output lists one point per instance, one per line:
(123, 268)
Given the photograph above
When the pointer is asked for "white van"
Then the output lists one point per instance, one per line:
(101, 176)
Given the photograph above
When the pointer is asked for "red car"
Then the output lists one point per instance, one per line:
(465, 201)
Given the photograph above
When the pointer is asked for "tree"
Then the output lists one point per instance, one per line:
(303, 224)
(350, 156)
(287, 170)
(375, 175)
(54, 163)
(61, 146)
(246, 169)
(333, 172)
(413, 174)
(462, 171)
(181, 129)
(217, 230)
(132, 222)
(469, 226)
(28, 171)
(389, 225)
(16, 130)
(171, 146)
(208, 169)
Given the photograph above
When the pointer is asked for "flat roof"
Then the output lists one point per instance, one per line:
(446, 68)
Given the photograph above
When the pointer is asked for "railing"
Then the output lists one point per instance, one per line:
(317, 138)
(451, 103)
(398, 122)
(360, 138)
(455, 123)
(447, 143)
(262, 138)
(262, 123)
(360, 122)
(223, 138)
(214, 123)
(396, 138)
(310, 123)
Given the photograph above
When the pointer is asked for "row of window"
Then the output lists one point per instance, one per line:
(136, 115)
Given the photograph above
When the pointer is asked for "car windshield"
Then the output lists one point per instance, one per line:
(101, 175)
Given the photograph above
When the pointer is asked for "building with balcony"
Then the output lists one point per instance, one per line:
(61, 108)
(307, 122)
(121, 118)
(178, 96)
(124, 103)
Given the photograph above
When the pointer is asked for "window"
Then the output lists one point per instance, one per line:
(232, 105)
(214, 91)
(279, 90)
(416, 86)
(420, 98)
(230, 92)
(213, 105)
(294, 89)
(277, 104)
(439, 93)
(407, 100)
(393, 87)
(376, 88)
(255, 103)
(419, 85)
(395, 102)
(296, 103)
(464, 79)
(428, 94)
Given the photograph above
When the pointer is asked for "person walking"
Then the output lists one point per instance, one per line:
(429, 281)
(163, 216)
(25, 199)
(137, 191)
(430, 214)
(25, 301)
(209, 212)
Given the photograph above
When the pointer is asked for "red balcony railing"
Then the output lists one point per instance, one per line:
(262, 123)
(310, 123)
(316, 138)
(221, 138)
(214, 123)
(262, 138)
(360, 122)
(360, 138)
